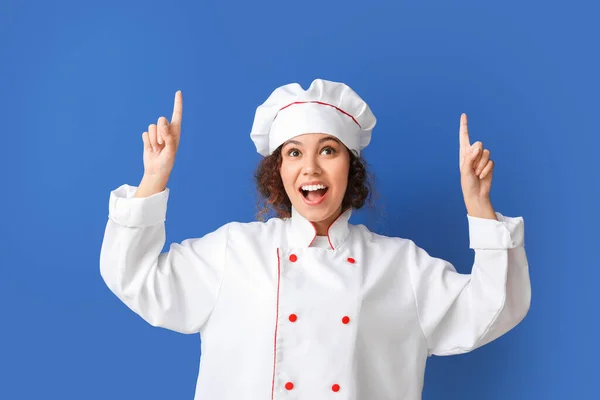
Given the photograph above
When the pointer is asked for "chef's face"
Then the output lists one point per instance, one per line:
(315, 159)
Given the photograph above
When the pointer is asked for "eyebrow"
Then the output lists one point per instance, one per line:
(319, 142)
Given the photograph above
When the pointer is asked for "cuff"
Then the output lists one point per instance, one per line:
(506, 233)
(126, 210)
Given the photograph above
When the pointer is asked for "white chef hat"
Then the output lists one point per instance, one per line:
(326, 107)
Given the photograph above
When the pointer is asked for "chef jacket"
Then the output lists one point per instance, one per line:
(285, 314)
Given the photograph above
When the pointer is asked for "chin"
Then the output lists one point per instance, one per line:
(316, 213)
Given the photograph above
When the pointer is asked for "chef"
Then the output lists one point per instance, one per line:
(307, 305)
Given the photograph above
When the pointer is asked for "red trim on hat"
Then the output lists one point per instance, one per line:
(319, 102)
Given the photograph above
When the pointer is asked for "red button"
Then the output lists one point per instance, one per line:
(293, 317)
(351, 260)
(293, 258)
(335, 388)
(289, 386)
(345, 320)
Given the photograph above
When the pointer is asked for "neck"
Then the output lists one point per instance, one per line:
(322, 226)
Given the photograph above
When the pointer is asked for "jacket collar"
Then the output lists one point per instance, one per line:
(302, 232)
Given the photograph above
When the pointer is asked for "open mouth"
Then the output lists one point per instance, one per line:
(314, 195)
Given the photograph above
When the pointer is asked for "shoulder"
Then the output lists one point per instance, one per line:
(369, 237)
(255, 226)
(253, 229)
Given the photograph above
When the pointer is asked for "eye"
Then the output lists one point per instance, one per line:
(331, 149)
(295, 152)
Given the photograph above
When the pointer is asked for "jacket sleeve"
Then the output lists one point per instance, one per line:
(461, 312)
(177, 289)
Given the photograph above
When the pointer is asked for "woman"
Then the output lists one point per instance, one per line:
(307, 305)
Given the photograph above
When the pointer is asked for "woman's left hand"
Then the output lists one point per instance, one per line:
(476, 168)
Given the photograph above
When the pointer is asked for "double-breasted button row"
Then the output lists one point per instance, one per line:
(335, 387)
(294, 318)
(294, 258)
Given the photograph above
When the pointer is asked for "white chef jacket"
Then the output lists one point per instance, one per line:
(283, 314)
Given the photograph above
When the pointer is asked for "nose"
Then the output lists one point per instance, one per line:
(311, 166)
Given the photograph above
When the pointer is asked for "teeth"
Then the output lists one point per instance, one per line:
(313, 187)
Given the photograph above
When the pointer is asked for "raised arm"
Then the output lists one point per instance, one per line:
(177, 289)
(461, 312)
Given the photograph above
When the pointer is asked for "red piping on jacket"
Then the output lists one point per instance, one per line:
(319, 102)
(332, 222)
(276, 324)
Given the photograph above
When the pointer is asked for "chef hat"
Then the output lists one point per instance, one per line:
(326, 107)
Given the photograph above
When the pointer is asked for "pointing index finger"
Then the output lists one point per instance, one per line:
(464, 133)
(177, 109)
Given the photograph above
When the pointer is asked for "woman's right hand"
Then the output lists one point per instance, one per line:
(161, 143)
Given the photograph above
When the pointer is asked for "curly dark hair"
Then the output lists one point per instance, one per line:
(273, 196)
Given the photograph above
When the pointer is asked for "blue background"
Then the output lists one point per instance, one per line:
(80, 82)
